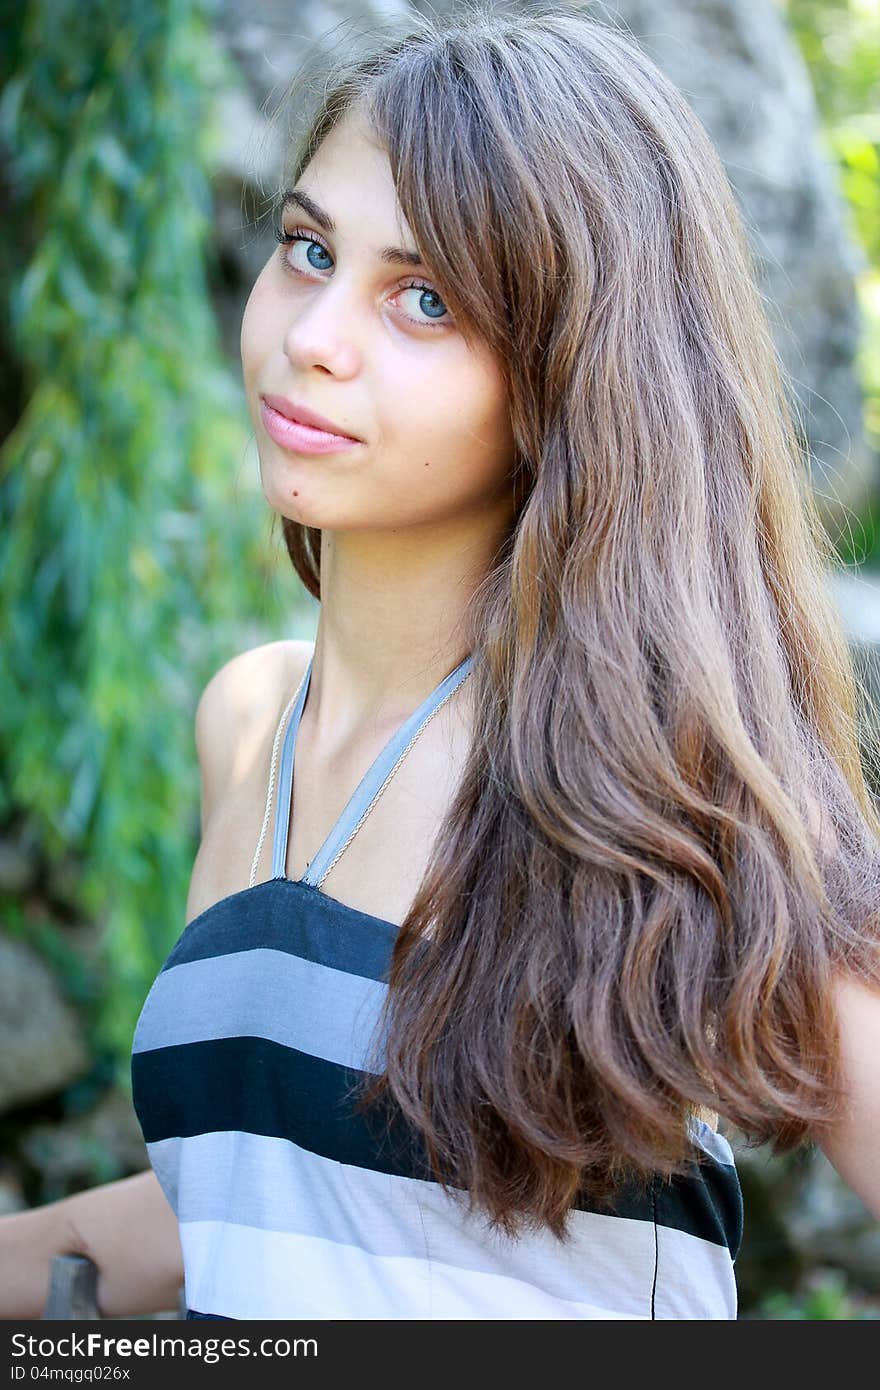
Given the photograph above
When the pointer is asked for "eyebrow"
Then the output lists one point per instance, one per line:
(391, 255)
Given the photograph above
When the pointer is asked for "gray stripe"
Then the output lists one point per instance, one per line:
(262, 993)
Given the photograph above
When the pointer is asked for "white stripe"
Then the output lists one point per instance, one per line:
(695, 1279)
(271, 1186)
(240, 1272)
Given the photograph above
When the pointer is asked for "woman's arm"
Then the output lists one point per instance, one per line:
(127, 1228)
(853, 1146)
(130, 1232)
(29, 1240)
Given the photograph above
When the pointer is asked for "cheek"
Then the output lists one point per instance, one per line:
(255, 323)
(474, 432)
(454, 405)
(454, 449)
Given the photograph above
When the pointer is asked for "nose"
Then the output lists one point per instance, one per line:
(319, 331)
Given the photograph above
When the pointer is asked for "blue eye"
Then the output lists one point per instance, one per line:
(427, 293)
(317, 249)
(313, 246)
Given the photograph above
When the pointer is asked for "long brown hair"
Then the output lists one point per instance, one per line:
(663, 845)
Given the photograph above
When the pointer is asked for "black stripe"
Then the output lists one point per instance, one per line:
(278, 1091)
(271, 915)
(715, 1204)
(283, 1093)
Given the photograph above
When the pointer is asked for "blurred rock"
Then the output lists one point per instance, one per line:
(100, 1146)
(12, 1196)
(744, 75)
(41, 1045)
(858, 598)
(18, 867)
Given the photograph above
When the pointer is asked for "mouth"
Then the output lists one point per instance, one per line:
(300, 438)
(303, 415)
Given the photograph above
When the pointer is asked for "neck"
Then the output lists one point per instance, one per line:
(392, 622)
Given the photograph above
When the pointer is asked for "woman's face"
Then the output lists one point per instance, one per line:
(333, 326)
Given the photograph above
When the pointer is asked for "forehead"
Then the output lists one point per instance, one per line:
(349, 188)
(351, 145)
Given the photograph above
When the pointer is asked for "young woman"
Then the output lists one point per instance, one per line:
(556, 844)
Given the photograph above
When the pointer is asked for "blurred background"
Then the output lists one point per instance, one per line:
(141, 145)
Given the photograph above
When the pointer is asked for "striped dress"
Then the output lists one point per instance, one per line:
(293, 1204)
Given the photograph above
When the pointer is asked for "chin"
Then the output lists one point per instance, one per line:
(279, 494)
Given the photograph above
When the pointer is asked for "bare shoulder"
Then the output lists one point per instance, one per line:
(237, 706)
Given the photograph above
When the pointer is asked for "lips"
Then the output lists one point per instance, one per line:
(304, 416)
(298, 438)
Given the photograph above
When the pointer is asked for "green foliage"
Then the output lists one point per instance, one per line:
(840, 41)
(826, 1296)
(132, 560)
(861, 538)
